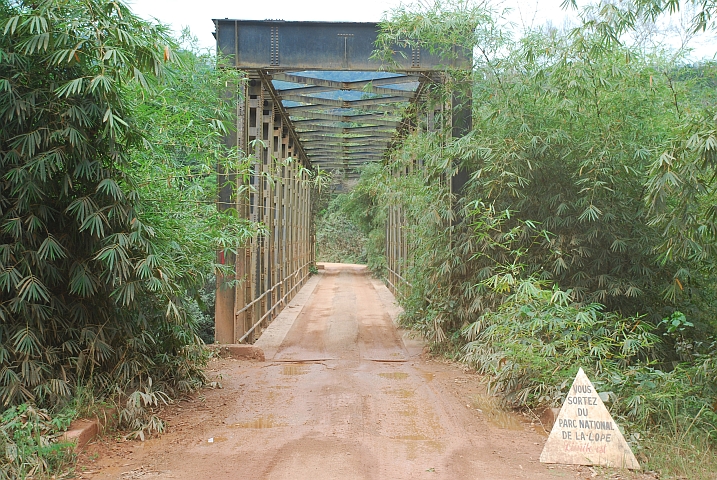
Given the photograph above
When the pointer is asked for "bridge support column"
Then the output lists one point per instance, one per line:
(228, 297)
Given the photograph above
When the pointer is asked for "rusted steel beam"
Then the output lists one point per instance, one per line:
(360, 105)
(329, 163)
(322, 117)
(271, 268)
(342, 103)
(360, 85)
(370, 117)
(225, 296)
(266, 81)
(347, 154)
(308, 110)
(354, 166)
(356, 161)
(347, 130)
(338, 143)
(284, 46)
(360, 158)
(364, 138)
(393, 92)
(343, 149)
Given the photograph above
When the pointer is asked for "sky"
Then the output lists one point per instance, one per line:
(198, 14)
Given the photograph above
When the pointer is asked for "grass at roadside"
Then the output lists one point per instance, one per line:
(684, 458)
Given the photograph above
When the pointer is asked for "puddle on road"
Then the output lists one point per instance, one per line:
(494, 413)
(428, 376)
(411, 412)
(394, 375)
(411, 437)
(402, 393)
(418, 445)
(261, 422)
(295, 370)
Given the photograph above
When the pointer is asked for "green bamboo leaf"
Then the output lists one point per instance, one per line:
(26, 342)
(32, 289)
(95, 223)
(109, 187)
(82, 281)
(11, 25)
(73, 87)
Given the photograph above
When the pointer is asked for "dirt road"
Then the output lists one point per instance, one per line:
(341, 395)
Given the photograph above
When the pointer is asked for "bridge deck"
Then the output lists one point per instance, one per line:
(341, 395)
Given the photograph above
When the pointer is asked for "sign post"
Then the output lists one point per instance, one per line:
(585, 433)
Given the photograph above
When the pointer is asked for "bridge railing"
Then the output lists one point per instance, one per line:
(276, 308)
(273, 266)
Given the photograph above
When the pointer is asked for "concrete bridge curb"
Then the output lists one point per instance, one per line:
(274, 335)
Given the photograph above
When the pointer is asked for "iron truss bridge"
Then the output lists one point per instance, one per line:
(314, 97)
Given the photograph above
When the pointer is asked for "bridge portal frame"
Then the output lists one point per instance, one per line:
(271, 268)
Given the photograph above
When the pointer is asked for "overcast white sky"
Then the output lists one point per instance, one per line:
(198, 14)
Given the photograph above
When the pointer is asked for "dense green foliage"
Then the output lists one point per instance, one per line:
(28, 441)
(184, 120)
(364, 211)
(532, 346)
(538, 336)
(571, 177)
(72, 241)
(338, 238)
(111, 137)
(585, 235)
(567, 137)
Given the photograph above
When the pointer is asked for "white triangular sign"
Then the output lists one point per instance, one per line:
(585, 433)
